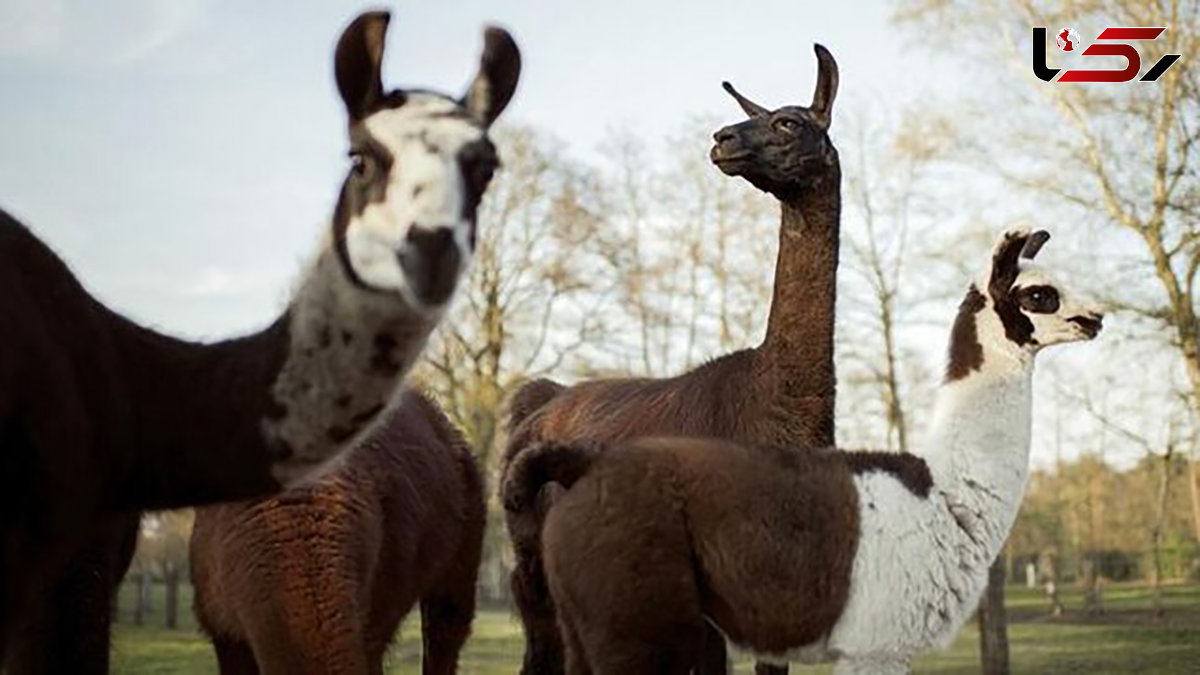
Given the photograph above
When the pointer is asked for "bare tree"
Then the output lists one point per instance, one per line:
(1118, 157)
(889, 211)
(687, 247)
(529, 304)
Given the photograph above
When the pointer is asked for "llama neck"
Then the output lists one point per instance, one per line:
(978, 451)
(237, 418)
(922, 563)
(796, 357)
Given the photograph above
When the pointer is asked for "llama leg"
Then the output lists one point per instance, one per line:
(575, 656)
(70, 629)
(295, 638)
(234, 657)
(714, 659)
(543, 646)
(632, 615)
(445, 625)
(447, 613)
(639, 657)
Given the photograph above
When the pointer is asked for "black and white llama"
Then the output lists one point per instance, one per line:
(100, 417)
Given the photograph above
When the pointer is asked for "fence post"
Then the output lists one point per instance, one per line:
(142, 606)
(171, 606)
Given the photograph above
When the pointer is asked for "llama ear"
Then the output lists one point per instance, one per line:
(357, 62)
(1035, 243)
(827, 86)
(751, 108)
(499, 70)
(1005, 259)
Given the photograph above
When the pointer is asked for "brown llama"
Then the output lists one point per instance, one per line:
(779, 393)
(101, 418)
(860, 558)
(317, 579)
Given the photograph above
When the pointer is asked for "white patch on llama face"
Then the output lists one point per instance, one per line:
(425, 189)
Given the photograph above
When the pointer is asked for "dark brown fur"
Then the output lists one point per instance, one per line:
(663, 533)
(966, 354)
(318, 579)
(99, 418)
(779, 393)
(910, 470)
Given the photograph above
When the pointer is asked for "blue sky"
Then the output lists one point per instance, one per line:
(182, 155)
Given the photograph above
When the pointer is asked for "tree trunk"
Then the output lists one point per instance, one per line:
(1164, 493)
(171, 606)
(1194, 489)
(1093, 593)
(993, 622)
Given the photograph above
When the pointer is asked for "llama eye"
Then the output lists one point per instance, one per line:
(787, 124)
(361, 165)
(1042, 300)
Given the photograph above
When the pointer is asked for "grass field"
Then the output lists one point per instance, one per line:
(1125, 639)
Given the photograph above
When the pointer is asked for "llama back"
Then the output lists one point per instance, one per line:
(712, 400)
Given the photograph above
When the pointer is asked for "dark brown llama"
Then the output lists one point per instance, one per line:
(317, 579)
(780, 393)
(100, 417)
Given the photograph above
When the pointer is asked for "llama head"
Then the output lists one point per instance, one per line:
(1023, 307)
(420, 162)
(785, 150)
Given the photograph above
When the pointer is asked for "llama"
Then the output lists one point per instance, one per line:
(317, 579)
(100, 418)
(865, 559)
(781, 392)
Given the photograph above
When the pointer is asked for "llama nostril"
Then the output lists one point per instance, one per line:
(723, 135)
(1090, 323)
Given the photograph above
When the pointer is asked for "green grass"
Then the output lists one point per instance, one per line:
(1125, 639)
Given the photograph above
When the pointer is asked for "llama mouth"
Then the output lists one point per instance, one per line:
(719, 157)
(1089, 325)
(431, 276)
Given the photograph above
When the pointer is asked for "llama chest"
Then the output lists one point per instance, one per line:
(910, 589)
